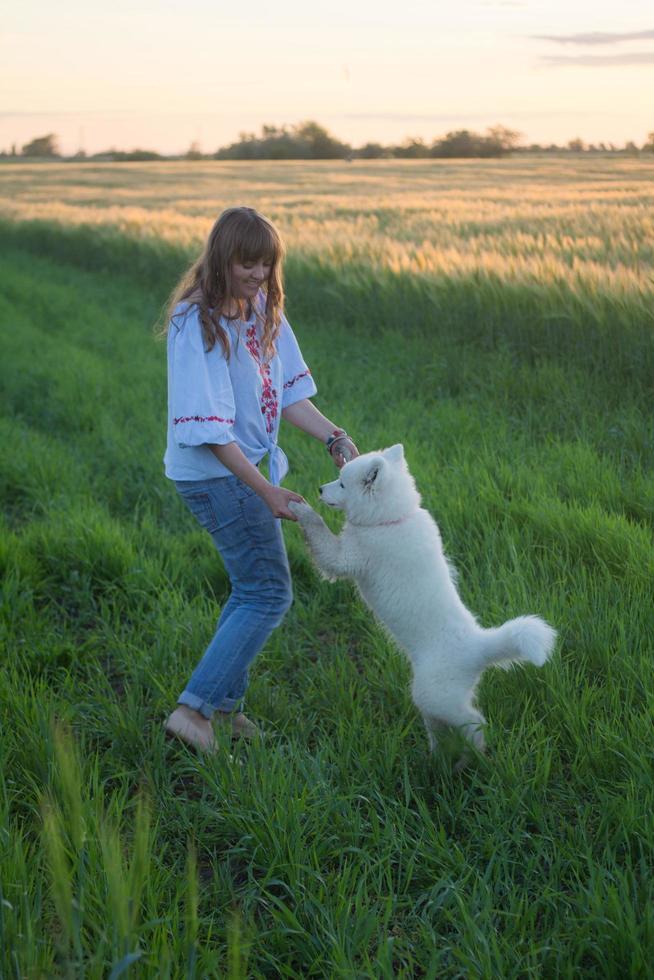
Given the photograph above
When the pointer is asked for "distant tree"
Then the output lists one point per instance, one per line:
(413, 148)
(42, 146)
(648, 147)
(274, 144)
(306, 141)
(505, 139)
(122, 156)
(242, 150)
(458, 143)
(497, 142)
(371, 151)
(137, 155)
(194, 152)
(631, 148)
(464, 143)
(104, 155)
(576, 145)
(281, 143)
(321, 144)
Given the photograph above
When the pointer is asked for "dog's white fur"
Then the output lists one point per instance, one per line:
(392, 549)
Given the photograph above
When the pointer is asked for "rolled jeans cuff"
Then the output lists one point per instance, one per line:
(206, 709)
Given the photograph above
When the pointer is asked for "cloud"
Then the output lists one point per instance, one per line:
(595, 37)
(599, 60)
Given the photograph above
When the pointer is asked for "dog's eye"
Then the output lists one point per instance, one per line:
(340, 483)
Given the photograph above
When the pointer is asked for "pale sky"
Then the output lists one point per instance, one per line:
(158, 74)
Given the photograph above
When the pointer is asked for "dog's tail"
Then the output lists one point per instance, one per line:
(527, 639)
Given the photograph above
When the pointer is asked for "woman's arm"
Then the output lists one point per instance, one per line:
(277, 498)
(304, 415)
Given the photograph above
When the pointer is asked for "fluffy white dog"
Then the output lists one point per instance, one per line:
(392, 549)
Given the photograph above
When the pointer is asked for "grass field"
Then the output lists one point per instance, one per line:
(495, 317)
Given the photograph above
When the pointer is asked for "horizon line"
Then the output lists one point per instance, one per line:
(452, 122)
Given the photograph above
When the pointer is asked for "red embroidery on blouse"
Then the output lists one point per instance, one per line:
(202, 418)
(269, 406)
(289, 384)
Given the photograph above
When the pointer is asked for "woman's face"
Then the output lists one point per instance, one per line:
(248, 277)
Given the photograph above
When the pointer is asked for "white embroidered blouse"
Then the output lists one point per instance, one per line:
(216, 400)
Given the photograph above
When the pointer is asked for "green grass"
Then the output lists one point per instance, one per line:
(339, 848)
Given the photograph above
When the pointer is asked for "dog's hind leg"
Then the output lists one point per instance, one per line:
(472, 730)
(433, 727)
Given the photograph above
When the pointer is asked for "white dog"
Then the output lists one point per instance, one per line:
(392, 549)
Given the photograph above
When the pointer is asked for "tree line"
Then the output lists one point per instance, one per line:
(311, 141)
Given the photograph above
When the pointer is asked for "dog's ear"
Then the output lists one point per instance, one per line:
(395, 454)
(372, 474)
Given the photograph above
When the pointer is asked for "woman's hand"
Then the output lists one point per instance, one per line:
(278, 499)
(343, 451)
(231, 456)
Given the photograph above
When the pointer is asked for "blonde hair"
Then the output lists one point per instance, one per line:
(240, 235)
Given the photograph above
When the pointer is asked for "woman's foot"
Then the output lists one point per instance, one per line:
(192, 728)
(238, 724)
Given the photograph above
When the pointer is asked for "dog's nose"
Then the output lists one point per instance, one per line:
(320, 490)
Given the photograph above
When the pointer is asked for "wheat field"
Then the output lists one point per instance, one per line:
(588, 223)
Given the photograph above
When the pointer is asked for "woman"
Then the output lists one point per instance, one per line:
(234, 370)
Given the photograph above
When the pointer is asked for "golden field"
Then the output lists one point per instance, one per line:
(583, 221)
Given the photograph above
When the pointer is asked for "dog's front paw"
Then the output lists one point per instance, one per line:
(303, 511)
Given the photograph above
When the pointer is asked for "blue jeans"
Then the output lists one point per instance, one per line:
(251, 545)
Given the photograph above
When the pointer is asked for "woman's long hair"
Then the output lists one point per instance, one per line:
(240, 235)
